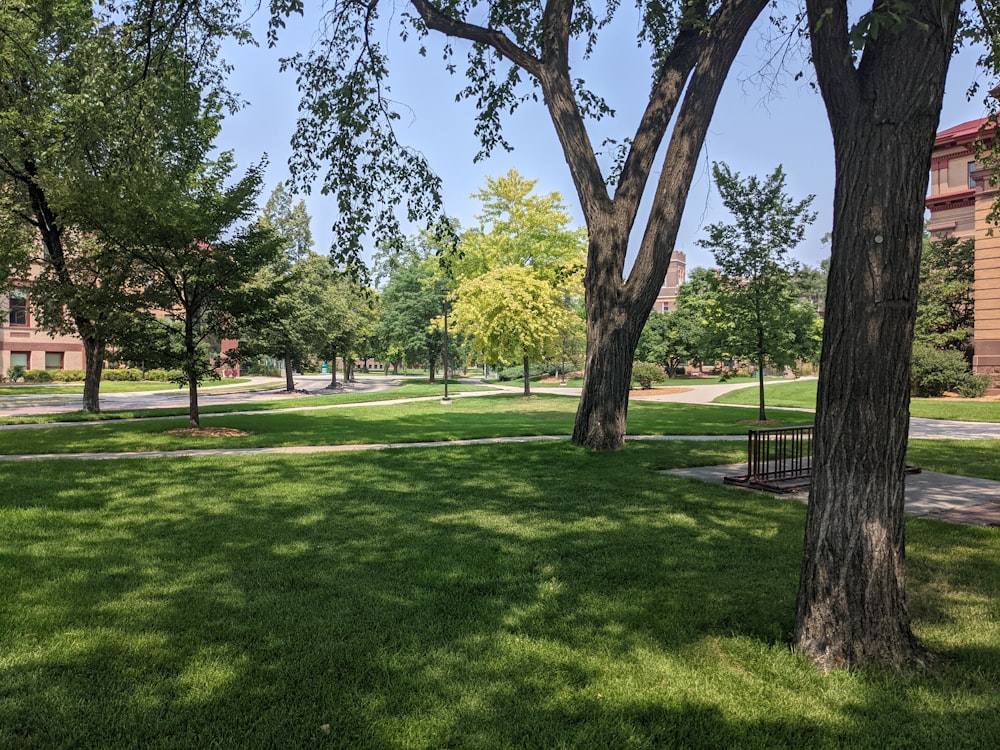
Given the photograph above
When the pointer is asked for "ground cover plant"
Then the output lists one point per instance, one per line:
(471, 417)
(801, 394)
(491, 597)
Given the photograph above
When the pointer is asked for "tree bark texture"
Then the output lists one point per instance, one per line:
(617, 308)
(194, 417)
(289, 379)
(93, 355)
(851, 607)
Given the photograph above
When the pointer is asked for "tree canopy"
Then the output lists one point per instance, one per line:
(520, 52)
(517, 275)
(755, 289)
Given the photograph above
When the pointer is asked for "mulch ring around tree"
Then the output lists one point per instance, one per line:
(209, 432)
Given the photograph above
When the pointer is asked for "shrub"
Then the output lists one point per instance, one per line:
(517, 373)
(15, 373)
(122, 373)
(69, 376)
(647, 373)
(974, 386)
(935, 371)
(38, 376)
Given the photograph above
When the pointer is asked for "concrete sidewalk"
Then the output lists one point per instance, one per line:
(946, 497)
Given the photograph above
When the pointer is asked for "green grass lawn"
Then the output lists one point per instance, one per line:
(406, 389)
(506, 596)
(478, 417)
(109, 386)
(801, 394)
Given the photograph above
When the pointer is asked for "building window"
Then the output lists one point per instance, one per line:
(19, 359)
(18, 315)
(972, 168)
(53, 360)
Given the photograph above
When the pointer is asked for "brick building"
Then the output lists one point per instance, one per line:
(961, 198)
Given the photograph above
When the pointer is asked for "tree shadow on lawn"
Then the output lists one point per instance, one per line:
(470, 597)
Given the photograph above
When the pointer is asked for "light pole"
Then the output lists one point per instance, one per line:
(445, 399)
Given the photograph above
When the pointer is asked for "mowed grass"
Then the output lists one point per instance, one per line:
(471, 417)
(801, 394)
(112, 386)
(971, 458)
(507, 596)
(405, 389)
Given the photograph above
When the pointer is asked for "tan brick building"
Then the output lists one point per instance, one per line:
(961, 197)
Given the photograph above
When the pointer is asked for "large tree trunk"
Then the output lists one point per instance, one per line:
(194, 418)
(851, 607)
(93, 354)
(616, 309)
(289, 379)
(613, 329)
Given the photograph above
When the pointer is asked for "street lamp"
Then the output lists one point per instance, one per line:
(444, 305)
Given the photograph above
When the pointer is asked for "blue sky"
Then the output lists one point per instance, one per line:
(758, 124)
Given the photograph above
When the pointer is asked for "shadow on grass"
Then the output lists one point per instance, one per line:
(498, 596)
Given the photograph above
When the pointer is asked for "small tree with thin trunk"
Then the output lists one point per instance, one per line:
(202, 252)
(755, 271)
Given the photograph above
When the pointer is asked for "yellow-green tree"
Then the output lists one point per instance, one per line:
(519, 275)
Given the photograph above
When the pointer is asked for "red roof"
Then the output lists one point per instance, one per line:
(967, 132)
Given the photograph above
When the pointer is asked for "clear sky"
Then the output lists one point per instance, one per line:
(758, 124)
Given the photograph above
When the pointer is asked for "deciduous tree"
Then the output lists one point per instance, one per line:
(755, 271)
(518, 275)
(522, 52)
(202, 251)
(882, 79)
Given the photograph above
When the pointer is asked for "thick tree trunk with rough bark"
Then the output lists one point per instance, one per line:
(851, 607)
(93, 354)
(289, 379)
(194, 417)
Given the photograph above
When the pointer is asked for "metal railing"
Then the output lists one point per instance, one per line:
(778, 459)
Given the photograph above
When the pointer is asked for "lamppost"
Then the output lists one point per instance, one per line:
(444, 304)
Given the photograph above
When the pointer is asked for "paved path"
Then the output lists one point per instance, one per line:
(947, 497)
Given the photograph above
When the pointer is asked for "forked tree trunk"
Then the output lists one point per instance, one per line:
(93, 354)
(616, 310)
(851, 607)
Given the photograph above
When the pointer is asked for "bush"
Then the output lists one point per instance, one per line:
(38, 376)
(935, 371)
(70, 376)
(974, 386)
(517, 373)
(647, 373)
(122, 373)
(15, 373)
